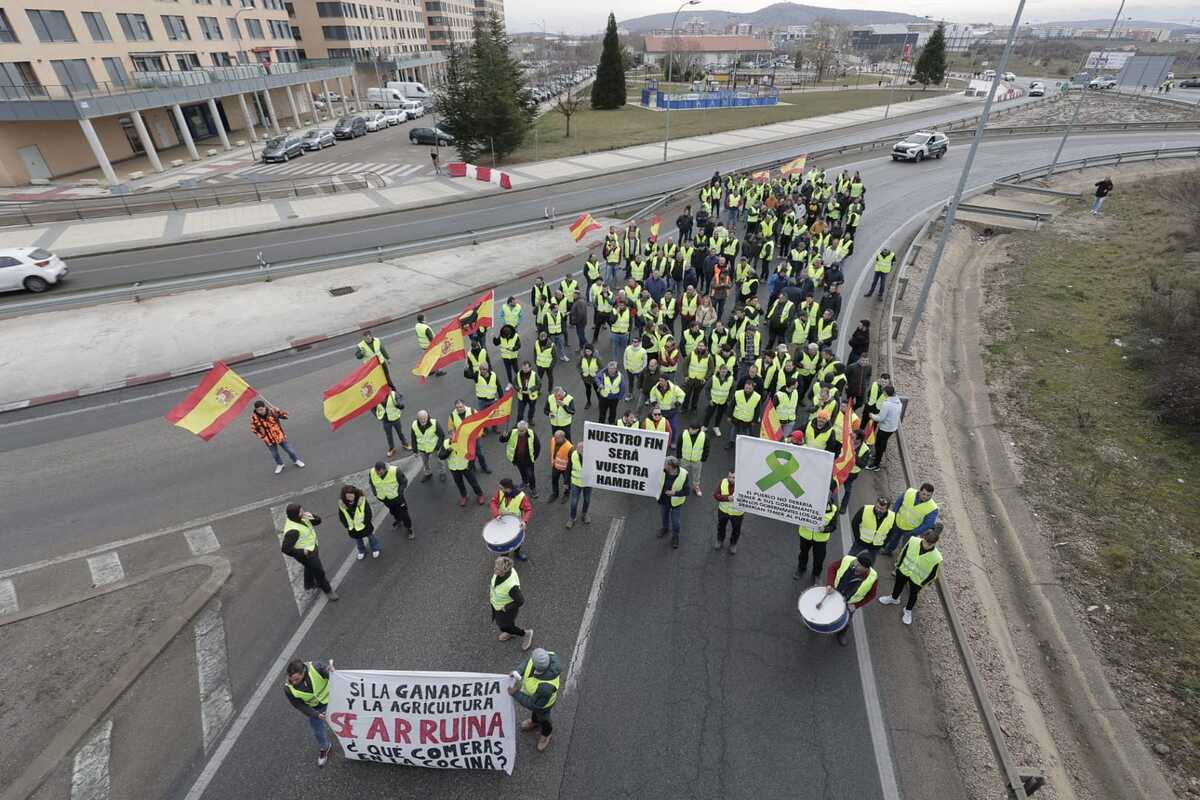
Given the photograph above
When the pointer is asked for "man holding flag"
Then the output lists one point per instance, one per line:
(444, 348)
(214, 403)
(356, 394)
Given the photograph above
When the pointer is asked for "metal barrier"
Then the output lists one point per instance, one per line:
(42, 212)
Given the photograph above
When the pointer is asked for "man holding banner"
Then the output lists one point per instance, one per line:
(536, 687)
(307, 689)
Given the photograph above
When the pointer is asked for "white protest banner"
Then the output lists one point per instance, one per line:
(444, 720)
(782, 481)
(626, 460)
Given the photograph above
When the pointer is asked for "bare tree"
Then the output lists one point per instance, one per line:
(829, 38)
(567, 105)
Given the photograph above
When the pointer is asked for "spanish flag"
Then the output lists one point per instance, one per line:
(445, 348)
(478, 315)
(463, 440)
(213, 404)
(795, 166)
(583, 226)
(845, 460)
(762, 176)
(358, 392)
(655, 224)
(869, 433)
(771, 428)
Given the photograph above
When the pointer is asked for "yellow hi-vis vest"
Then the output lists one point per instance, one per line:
(743, 406)
(544, 356)
(527, 385)
(698, 367)
(635, 359)
(373, 348)
(510, 449)
(884, 263)
(576, 468)
(693, 449)
(819, 535)
(687, 305)
(864, 588)
(530, 683)
(918, 565)
(621, 323)
(719, 391)
(588, 367)
(785, 405)
(912, 513)
(873, 531)
(677, 499)
(388, 408)
(661, 426)
(307, 534)
(511, 314)
(387, 487)
(501, 595)
(487, 388)
(559, 415)
(426, 439)
(669, 399)
(510, 506)
(319, 696)
(510, 347)
(726, 506)
(424, 335)
(358, 521)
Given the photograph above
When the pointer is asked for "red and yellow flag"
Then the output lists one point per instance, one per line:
(212, 405)
(655, 224)
(445, 348)
(463, 440)
(771, 427)
(762, 176)
(358, 392)
(583, 226)
(795, 166)
(869, 433)
(845, 460)
(479, 315)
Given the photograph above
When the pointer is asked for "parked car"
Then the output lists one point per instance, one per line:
(374, 121)
(283, 148)
(1037, 89)
(1010, 77)
(394, 116)
(350, 127)
(920, 146)
(435, 136)
(30, 268)
(1103, 83)
(318, 139)
(414, 108)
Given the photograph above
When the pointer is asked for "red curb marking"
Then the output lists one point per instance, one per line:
(307, 341)
(142, 379)
(240, 357)
(54, 398)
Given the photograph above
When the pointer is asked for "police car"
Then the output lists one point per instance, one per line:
(920, 146)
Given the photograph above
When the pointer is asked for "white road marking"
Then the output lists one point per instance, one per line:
(579, 653)
(212, 668)
(295, 572)
(202, 541)
(90, 779)
(8, 598)
(106, 568)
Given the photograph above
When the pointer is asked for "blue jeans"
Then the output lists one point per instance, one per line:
(896, 540)
(576, 491)
(671, 417)
(318, 729)
(274, 448)
(1099, 201)
(560, 341)
(670, 517)
(581, 333)
(610, 274)
(879, 278)
(361, 544)
(619, 342)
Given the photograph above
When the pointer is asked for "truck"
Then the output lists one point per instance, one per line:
(413, 90)
(385, 98)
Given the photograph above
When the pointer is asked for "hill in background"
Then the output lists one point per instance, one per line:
(776, 15)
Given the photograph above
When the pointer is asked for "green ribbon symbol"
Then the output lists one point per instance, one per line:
(782, 465)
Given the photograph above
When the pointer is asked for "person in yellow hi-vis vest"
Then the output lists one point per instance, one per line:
(815, 540)
(673, 492)
(307, 689)
(425, 336)
(919, 564)
(855, 579)
(535, 686)
(506, 599)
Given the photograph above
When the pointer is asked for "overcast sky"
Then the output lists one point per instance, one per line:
(529, 15)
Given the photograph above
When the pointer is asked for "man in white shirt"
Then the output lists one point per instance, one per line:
(887, 422)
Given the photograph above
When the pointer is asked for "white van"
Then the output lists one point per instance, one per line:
(413, 90)
(989, 74)
(385, 98)
(413, 108)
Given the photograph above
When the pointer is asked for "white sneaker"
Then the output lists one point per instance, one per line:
(300, 464)
(716, 431)
(360, 556)
(888, 600)
(374, 554)
(278, 468)
(907, 617)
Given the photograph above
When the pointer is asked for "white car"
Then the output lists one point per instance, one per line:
(1037, 89)
(414, 108)
(394, 116)
(30, 268)
(1103, 83)
(375, 120)
(1010, 77)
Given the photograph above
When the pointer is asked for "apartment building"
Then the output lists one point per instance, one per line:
(449, 22)
(86, 83)
(485, 7)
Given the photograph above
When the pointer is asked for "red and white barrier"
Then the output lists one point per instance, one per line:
(458, 169)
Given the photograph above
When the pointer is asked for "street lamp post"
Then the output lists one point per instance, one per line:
(671, 38)
(952, 210)
(1082, 94)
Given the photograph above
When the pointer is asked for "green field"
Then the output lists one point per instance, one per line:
(592, 131)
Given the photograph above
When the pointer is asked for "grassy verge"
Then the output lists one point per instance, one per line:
(1115, 486)
(606, 130)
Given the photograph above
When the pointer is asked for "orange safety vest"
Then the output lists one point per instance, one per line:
(561, 457)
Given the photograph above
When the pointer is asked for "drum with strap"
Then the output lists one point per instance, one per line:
(823, 611)
(503, 534)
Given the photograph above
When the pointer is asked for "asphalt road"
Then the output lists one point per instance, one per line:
(700, 681)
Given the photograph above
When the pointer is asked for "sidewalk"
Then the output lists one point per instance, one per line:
(124, 344)
(120, 233)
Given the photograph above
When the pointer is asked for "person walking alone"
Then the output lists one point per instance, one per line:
(265, 423)
(300, 543)
(388, 484)
(307, 689)
(1104, 188)
(535, 687)
(355, 514)
(506, 600)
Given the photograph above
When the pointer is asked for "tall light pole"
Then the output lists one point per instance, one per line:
(674, 19)
(1082, 94)
(948, 227)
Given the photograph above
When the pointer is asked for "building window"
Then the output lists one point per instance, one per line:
(248, 4)
(291, 9)
(339, 52)
(7, 34)
(187, 61)
(280, 29)
(134, 27)
(96, 26)
(117, 75)
(203, 2)
(330, 10)
(296, 33)
(221, 59)
(254, 28)
(210, 28)
(176, 27)
(51, 26)
(74, 73)
(147, 63)
(18, 80)
(235, 32)
(287, 55)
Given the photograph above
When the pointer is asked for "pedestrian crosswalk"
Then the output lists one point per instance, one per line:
(297, 169)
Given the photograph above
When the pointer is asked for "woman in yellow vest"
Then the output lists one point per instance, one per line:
(355, 513)
(537, 689)
(506, 599)
(918, 567)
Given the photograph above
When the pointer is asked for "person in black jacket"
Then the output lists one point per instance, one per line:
(1103, 189)
(684, 224)
(506, 599)
(860, 341)
(355, 514)
(300, 543)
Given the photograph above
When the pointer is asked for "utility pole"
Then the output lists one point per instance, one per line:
(670, 39)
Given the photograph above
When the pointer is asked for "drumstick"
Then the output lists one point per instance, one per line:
(828, 591)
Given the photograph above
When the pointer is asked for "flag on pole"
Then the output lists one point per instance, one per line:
(655, 224)
(462, 441)
(445, 348)
(212, 405)
(478, 315)
(869, 433)
(762, 176)
(795, 166)
(358, 392)
(771, 428)
(583, 226)
(845, 460)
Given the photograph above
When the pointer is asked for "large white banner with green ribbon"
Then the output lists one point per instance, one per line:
(782, 481)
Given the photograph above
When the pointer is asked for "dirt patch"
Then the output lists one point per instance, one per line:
(56, 661)
(1098, 107)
